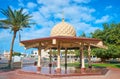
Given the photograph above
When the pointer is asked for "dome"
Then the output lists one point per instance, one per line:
(63, 29)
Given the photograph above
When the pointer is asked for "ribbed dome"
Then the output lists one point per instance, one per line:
(63, 29)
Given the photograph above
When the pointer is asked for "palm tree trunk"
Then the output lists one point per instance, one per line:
(11, 49)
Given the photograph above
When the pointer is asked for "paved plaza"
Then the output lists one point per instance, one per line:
(112, 74)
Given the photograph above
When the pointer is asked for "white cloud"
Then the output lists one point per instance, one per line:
(21, 3)
(81, 13)
(54, 2)
(82, 1)
(4, 34)
(37, 17)
(46, 16)
(41, 20)
(32, 34)
(103, 19)
(108, 7)
(84, 27)
(70, 12)
(31, 5)
(42, 16)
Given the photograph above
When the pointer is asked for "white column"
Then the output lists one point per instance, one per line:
(58, 58)
(39, 59)
(89, 54)
(82, 57)
(58, 70)
(83, 63)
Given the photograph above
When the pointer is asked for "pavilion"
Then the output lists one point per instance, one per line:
(63, 36)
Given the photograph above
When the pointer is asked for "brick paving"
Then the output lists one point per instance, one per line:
(112, 74)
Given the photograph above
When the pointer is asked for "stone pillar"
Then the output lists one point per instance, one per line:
(39, 59)
(58, 70)
(89, 57)
(82, 57)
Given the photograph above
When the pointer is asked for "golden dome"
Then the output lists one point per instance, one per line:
(63, 29)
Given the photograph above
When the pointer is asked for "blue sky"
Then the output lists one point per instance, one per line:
(84, 15)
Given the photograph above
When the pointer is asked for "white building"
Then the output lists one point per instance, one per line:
(6, 54)
(43, 53)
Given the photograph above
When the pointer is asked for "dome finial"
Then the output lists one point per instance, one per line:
(63, 16)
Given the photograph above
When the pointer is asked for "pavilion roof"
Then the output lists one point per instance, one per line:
(65, 41)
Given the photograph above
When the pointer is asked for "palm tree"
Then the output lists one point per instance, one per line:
(15, 20)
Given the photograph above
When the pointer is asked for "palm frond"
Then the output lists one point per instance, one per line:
(11, 13)
(16, 19)
(5, 24)
(4, 12)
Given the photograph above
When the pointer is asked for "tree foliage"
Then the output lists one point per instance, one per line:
(16, 54)
(83, 34)
(111, 37)
(110, 33)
